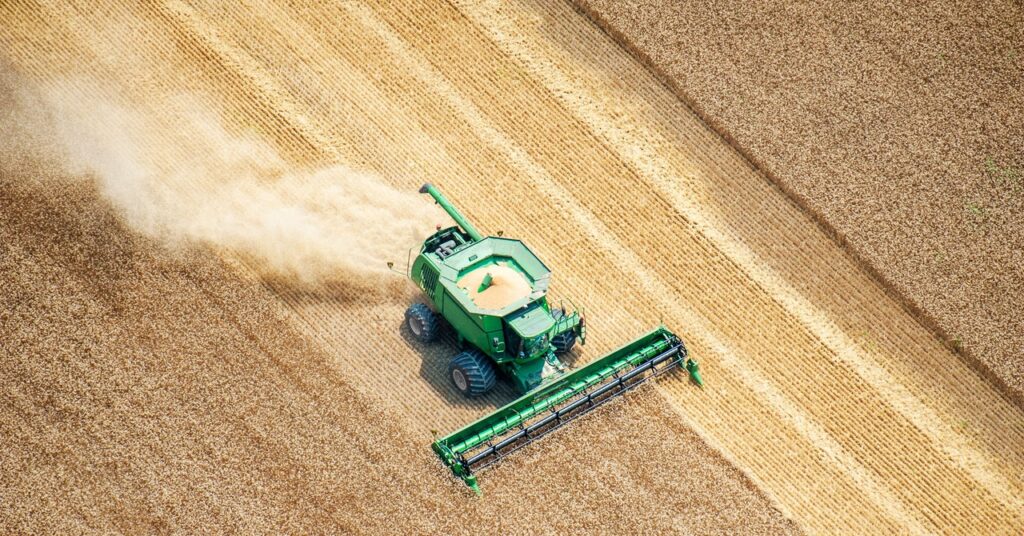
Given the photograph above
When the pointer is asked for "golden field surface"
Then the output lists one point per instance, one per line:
(899, 126)
(154, 391)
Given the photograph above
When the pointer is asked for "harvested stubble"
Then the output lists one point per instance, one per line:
(147, 392)
(899, 125)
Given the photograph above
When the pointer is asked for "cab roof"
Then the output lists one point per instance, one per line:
(531, 322)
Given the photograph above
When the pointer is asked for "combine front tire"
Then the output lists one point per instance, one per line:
(422, 322)
(472, 373)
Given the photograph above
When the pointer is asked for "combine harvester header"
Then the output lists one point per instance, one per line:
(493, 293)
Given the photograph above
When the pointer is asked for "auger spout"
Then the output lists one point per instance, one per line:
(452, 211)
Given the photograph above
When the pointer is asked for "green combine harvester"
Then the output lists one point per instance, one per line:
(493, 292)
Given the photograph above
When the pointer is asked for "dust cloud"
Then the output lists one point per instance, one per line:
(179, 176)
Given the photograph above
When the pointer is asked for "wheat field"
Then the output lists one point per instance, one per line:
(827, 409)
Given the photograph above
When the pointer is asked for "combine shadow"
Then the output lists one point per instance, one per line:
(434, 358)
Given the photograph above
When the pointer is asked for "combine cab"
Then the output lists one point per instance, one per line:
(493, 292)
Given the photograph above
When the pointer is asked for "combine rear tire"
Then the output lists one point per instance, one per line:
(563, 342)
(472, 373)
(422, 322)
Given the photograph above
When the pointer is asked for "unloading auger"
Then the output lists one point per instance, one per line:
(493, 292)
